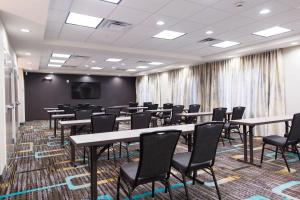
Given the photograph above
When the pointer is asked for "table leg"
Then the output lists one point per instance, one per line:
(245, 143)
(72, 149)
(50, 119)
(62, 136)
(251, 143)
(55, 125)
(93, 157)
(287, 127)
(189, 141)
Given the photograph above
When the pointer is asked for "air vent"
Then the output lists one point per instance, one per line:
(114, 25)
(69, 66)
(208, 40)
(79, 56)
(143, 61)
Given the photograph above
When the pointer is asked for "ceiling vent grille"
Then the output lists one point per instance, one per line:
(143, 61)
(79, 56)
(113, 25)
(208, 40)
(69, 66)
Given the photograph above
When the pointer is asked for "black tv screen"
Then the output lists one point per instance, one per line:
(85, 90)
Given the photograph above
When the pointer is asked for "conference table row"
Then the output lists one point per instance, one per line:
(97, 139)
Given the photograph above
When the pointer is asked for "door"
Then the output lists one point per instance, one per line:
(10, 105)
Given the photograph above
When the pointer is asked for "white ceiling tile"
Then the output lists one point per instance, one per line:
(209, 16)
(145, 5)
(231, 23)
(230, 5)
(53, 26)
(152, 43)
(60, 4)
(75, 33)
(205, 2)
(180, 9)
(104, 37)
(292, 3)
(57, 15)
(285, 17)
(151, 22)
(95, 8)
(128, 15)
(186, 26)
(273, 6)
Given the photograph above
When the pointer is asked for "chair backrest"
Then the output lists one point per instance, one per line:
(153, 107)
(175, 119)
(133, 104)
(156, 153)
(167, 106)
(206, 138)
(103, 123)
(68, 110)
(219, 114)
(60, 107)
(96, 109)
(146, 104)
(140, 120)
(237, 112)
(294, 134)
(115, 111)
(83, 114)
(194, 108)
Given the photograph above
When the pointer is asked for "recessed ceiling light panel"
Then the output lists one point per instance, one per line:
(83, 20)
(113, 60)
(25, 30)
(225, 44)
(57, 61)
(60, 55)
(131, 70)
(276, 30)
(160, 23)
(156, 63)
(142, 67)
(209, 32)
(112, 1)
(96, 68)
(264, 11)
(54, 65)
(168, 35)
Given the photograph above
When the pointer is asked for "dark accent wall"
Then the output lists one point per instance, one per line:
(41, 93)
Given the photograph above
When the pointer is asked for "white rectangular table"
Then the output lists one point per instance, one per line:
(250, 123)
(51, 108)
(99, 139)
(65, 116)
(159, 110)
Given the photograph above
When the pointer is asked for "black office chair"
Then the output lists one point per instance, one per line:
(175, 118)
(133, 104)
(115, 111)
(219, 115)
(146, 104)
(138, 121)
(206, 137)
(96, 109)
(68, 110)
(164, 115)
(283, 143)
(103, 123)
(193, 108)
(156, 152)
(153, 107)
(60, 106)
(237, 113)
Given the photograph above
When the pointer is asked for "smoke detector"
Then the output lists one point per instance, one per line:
(239, 4)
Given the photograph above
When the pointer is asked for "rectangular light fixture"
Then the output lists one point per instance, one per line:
(168, 35)
(131, 70)
(112, 1)
(83, 20)
(57, 61)
(225, 44)
(60, 55)
(54, 65)
(142, 67)
(113, 60)
(96, 68)
(276, 30)
(156, 63)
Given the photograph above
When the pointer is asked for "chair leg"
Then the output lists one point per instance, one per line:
(296, 149)
(194, 177)
(185, 186)
(115, 160)
(222, 140)
(241, 136)
(216, 183)
(284, 158)
(118, 187)
(276, 152)
(153, 188)
(262, 153)
(84, 155)
(127, 152)
(169, 189)
(120, 150)
(108, 153)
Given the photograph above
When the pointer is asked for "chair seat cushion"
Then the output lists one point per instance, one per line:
(181, 162)
(274, 140)
(128, 171)
(230, 126)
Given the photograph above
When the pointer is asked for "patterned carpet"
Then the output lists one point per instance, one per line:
(40, 169)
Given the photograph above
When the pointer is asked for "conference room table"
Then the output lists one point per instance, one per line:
(100, 139)
(250, 123)
(200, 114)
(51, 112)
(66, 116)
(51, 108)
(159, 110)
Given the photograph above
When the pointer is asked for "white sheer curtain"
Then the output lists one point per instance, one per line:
(254, 81)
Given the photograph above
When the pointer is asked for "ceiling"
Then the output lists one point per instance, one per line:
(134, 44)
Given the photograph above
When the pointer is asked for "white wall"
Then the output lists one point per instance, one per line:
(291, 64)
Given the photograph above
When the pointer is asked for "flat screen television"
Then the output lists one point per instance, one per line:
(85, 90)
